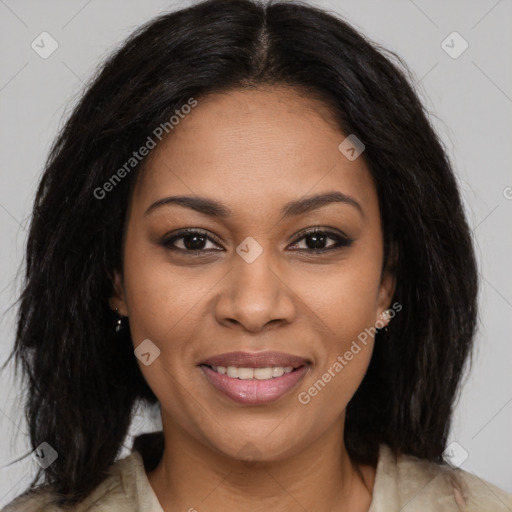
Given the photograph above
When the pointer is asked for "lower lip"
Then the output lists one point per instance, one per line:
(254, 391)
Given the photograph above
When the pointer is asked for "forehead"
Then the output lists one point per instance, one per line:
(246, 147)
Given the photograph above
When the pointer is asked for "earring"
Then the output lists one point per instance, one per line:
(386, 314)
(119, 322)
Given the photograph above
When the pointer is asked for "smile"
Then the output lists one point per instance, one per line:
(254, 386)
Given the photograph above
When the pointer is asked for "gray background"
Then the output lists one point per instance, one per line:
(470, 101)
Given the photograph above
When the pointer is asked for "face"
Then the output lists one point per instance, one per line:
(251, 277)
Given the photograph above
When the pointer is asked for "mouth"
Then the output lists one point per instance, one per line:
(246, 373)
(255, 378)
(265, 359)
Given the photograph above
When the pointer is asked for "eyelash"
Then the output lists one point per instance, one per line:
(342, 241)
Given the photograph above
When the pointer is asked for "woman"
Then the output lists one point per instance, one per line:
(249, 221)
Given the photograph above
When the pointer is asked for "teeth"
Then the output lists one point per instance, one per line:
(277, 371)
(261, 373)
(242, 373)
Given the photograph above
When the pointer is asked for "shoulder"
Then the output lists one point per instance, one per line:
(118, 492)
(407, 483)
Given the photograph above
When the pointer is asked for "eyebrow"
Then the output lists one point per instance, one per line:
(214, 208)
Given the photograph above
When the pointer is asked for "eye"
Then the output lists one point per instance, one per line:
(191, 240)
(195, 241)
(315, 240)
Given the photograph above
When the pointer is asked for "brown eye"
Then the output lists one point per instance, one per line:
(316, 239)
(193, 241)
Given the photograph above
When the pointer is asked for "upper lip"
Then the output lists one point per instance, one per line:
(255, 359)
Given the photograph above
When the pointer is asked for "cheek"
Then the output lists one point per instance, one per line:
(160, 296)
(345, 301)
(347, 311)
(343, 297)
(161, 301)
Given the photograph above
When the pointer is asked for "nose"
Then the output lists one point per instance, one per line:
(255, 295)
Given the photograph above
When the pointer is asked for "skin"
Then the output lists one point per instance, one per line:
(254, 150)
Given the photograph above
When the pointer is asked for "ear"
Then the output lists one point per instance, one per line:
(386, 291)
(118, 298)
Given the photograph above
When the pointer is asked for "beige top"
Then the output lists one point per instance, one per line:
(405, 484)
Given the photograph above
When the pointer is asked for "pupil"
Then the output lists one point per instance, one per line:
(192, 245)
(319, 240)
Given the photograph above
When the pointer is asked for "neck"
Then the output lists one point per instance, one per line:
(321, 477)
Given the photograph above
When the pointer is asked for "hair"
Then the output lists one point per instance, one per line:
(83, 381)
